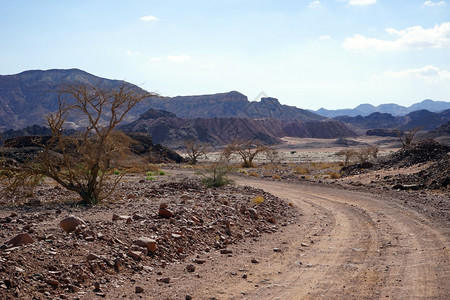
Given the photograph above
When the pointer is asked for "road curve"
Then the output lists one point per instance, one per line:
(351, 245)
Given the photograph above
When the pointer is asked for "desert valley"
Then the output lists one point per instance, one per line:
(217, 197)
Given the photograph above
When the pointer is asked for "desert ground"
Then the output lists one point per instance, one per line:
(284, 230)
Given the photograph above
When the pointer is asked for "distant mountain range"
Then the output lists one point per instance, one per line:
(26, 98)
(423, 119)
(392, 109)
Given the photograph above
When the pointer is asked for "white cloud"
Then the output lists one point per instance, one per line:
(324, 37)
(433, 4)
(429, 71)
(361, 2)
(148, 18)
(179, 58)
(315, 4)
(133, 53)
(156, 59)
(415, 37)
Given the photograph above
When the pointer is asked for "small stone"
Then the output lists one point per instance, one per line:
(97, 287)
(116, 217)
(148, 243)
(190, 268)
(244, 276)
(165, 279)
(226, 251)
(176, 236)
(255, 261)
(304, 245)
(138, 290)
(138, 217)
(53, 283)
(276, 250)
(92, 256)
(136, 255)
(20, 239)
(165, 213)
(188, 297)
(71, 223)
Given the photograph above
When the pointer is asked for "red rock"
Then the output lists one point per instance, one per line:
(138, 290)
(20, 239)
(71, 223)
(148, 243)
(165, 213)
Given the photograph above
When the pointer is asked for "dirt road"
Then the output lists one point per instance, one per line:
(348, 245)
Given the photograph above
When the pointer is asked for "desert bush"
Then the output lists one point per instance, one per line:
(302, 170)
(276, 177)
(84, 162)
(253, 174)
(258, 199)
(217, 174)
(348, 154)
(334, 175)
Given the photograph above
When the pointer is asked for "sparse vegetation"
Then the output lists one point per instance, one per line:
(247, 150)
(217, 174)
(195, 150)
(83, 162)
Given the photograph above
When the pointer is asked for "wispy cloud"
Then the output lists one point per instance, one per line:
(362, 2)
(148, 18)
(315, 4)
(429, 71)
(133, 53)
(179, 58)
(433, 4)
(415, 37)
(324, 37)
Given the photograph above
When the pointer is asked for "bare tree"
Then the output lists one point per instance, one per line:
(407, 137)
(348, 155)
(272, 155)
(247, 150)
(83, 162)
(195, 150)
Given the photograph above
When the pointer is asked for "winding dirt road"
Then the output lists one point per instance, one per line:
(348, 245)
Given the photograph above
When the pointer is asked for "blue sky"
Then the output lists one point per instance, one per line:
(310, 54)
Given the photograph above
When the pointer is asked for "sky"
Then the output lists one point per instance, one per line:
(309, 54)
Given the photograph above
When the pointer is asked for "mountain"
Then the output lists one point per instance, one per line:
(423, 119)
(172, 131)
(26, 98)
(390, 108)
(230, 105)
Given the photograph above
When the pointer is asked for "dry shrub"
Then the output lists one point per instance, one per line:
(253, 174)
(276, 177)
(153, 168)
(334, 175)
(258, 199)
(301, 170)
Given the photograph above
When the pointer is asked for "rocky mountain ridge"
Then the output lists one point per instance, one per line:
(390, 108)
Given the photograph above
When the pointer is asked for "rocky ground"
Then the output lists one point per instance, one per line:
(154, 224)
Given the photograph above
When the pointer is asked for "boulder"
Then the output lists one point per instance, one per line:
(20, 239)
(71, 223)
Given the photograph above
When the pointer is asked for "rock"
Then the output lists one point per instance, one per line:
(71, 223)
(253, 213)
(138, 217)
(255, 261)
(276, 250)
(53, 283)
(304, 245)
(136, 255)
(226, 251)
(138, 290)
(188, 297)
(163, 206)
(190, 268)
(20, 239)
(164, 279)
(92, 256)
(116, 217)
(176, 236)
(165, 213)
(148, 243)
(97, 287)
